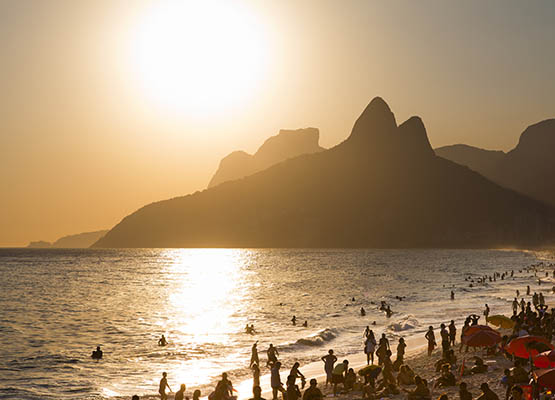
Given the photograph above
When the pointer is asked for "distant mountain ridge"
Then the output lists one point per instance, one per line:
(529, 168)
(80, 240)
(287, 144)
(382, 187)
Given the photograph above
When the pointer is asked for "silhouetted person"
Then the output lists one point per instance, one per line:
(294, 320)
(275, 380)
(292, 392)
(329, 361)
(254, 354)
(196, 395)
(163, 386)
(97, 354)
(180, 394)
(257, 393)
(452, 295)
(255, 374)
(431, 338)
(305, 324)
(452, 333)
(272, 355)
(135, 397)
(313, 393)
(362, 311)
(162, 341)
(370, 347)
(295, 373)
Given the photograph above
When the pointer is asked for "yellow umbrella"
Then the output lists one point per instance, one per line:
(501, 321)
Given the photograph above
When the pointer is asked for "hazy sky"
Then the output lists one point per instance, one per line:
(106, 106)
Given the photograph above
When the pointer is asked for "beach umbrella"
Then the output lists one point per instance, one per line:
(476, 328)
(528, 346)
(371, 370)
(545, 359)
(482, 338)
(501, 321)
(545, 377)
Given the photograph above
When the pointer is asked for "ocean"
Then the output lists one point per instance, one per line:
(56, 306)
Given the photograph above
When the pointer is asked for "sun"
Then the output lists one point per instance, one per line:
(198, 56)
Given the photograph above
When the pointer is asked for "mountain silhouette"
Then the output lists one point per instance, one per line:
(287, 144)
(382, 187)
(79, 240)
(529, 168)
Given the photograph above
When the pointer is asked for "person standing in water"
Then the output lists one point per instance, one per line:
(329, 361)
(162, 341)
(452, 295)
(486, 313)
(254, 354)
(294, 320)
(366, 331)
(431, 338)
(370, 347)
(163, 385)
(97, 354)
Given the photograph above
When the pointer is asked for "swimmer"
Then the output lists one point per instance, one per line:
(452, 295)
(374, 322)
(97, 354)
(162, 341)
(294, 320)
(362, 311)
(305, 324)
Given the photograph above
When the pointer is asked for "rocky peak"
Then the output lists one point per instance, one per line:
(413, 136)
(376, 122)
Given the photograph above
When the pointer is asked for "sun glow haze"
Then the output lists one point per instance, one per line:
(198, 56)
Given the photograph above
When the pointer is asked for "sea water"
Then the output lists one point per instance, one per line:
(56, 306)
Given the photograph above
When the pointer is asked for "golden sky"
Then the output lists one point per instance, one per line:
(108, 105)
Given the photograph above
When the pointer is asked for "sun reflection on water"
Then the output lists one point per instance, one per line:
(204, 308)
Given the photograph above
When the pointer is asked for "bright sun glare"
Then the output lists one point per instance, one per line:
(199, 56)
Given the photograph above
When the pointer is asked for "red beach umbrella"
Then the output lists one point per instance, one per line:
(545, 377)
(482, 338)
(528, 346)
(545, 359)
(475, 328)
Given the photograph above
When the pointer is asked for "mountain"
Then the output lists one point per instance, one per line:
(287, 144)
(80, 240)
(529, 168)
(382, 187)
